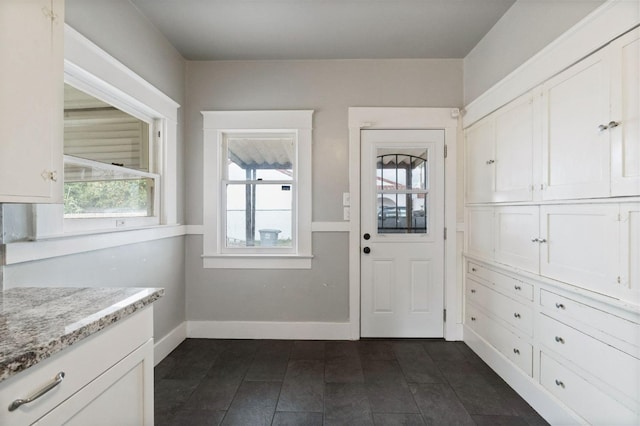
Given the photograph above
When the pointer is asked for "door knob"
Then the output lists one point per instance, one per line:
(366, 250)
(366, 236)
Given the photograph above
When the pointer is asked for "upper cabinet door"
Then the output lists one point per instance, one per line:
(576, 141)
(514, 141)
(517, 241)
(480, 161)
(31, 84)
(625, 115)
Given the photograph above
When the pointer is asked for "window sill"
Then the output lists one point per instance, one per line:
(27, 251)
(256, 261)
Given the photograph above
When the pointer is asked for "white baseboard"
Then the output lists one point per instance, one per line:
(269, 330)
(169, 342)
(542, 401)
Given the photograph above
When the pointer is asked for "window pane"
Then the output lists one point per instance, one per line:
(259, 215)
(402, 213)
(97, 131)
(92, 192)
(262, 157)
(402, 169)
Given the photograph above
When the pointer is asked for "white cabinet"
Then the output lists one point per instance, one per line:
(498, 151)
(625, 112)
(108, 379)
(31, 84)
(517, 236)
(480, 232)
(578, 245)
(629, 283)
(576, 152)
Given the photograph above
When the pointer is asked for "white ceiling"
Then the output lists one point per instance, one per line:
(323, 29)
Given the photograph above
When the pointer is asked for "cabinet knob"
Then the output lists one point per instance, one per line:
(559, 339)
(473, 318)
(50, 175)
(473, 269)
(473, 290)
(490, 161)
(534, 240)
(542, 241)
(613, 124)
(559, 383)
(516, 351)
(603, 127)
(366, 236)
(516, 315)
(560, 306)
(517, 287)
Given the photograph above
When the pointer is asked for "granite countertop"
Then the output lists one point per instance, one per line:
(36, 322)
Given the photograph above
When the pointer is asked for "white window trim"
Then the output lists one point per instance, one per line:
(216, 125)
(92, 70)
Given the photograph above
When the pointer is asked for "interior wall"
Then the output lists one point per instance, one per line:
(526, 28)
(117, 27)
(329, 88)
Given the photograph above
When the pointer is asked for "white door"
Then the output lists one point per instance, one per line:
(402, 227)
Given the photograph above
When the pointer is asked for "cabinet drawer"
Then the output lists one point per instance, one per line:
(81, 363)
(510, 345)
(586, 399)
(605, 362)
(506, 283)
(564, 309)
(514, 313)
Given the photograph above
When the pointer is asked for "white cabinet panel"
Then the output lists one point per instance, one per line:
(576, 154)
(479, 160)
(578, 245)
(31, 83)
(480, 231)
(625, 110)
(514, 140)
(516, 236)
(629, 286)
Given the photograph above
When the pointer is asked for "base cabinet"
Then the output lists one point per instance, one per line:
(108, 380)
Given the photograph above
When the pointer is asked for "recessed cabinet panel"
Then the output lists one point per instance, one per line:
(31, 102)
(514, 134)
(480, 160)
(480, 232)
(517, 236)
(578, 245)
(629, 285)
(625, 115)
(576, 149)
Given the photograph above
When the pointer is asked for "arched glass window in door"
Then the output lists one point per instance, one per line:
(402, 190)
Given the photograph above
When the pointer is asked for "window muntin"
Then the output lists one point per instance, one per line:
(108, 163)
(259, 191)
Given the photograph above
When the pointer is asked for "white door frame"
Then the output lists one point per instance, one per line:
(406, 118)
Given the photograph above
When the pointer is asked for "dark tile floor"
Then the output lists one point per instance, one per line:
(368, 382)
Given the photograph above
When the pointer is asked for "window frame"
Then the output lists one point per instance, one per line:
(217, 125)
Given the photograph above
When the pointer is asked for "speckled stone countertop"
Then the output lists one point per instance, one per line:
(35, 323)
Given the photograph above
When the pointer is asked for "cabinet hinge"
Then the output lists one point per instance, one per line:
(619, 280)
(158, 133)
(445, 233)
(446, 149)
(444, 315)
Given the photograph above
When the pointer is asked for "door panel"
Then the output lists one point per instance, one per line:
(402, 287)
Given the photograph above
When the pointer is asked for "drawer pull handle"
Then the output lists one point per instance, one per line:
(559, 383)
(560, 306)
(473, 269)
(46, 388)
(473, 290)
(517, 315)
(473, 318)
(559, 339)
(517, 287)
(516, 351)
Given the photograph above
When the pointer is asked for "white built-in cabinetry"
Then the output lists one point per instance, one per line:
(107, 380)
(552, 241)
(31, 104)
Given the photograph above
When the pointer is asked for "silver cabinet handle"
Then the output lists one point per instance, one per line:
(517, 287)
(535, 240)
(516, 315)
(516, 351)
(603, 127)
(542, 241)
(560, 306)
(559, 383)
(613, 124)
(559, 339)
(37, 394)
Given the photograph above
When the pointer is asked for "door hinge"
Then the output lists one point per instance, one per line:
(446, 151)
(445, 233)
(444, 315)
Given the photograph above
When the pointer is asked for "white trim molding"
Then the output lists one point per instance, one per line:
(604, 24)
(315, 227)
(406, 118)
(270, 330)
(169, 342)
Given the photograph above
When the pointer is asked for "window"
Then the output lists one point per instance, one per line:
(109, 165)
(257, 192)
